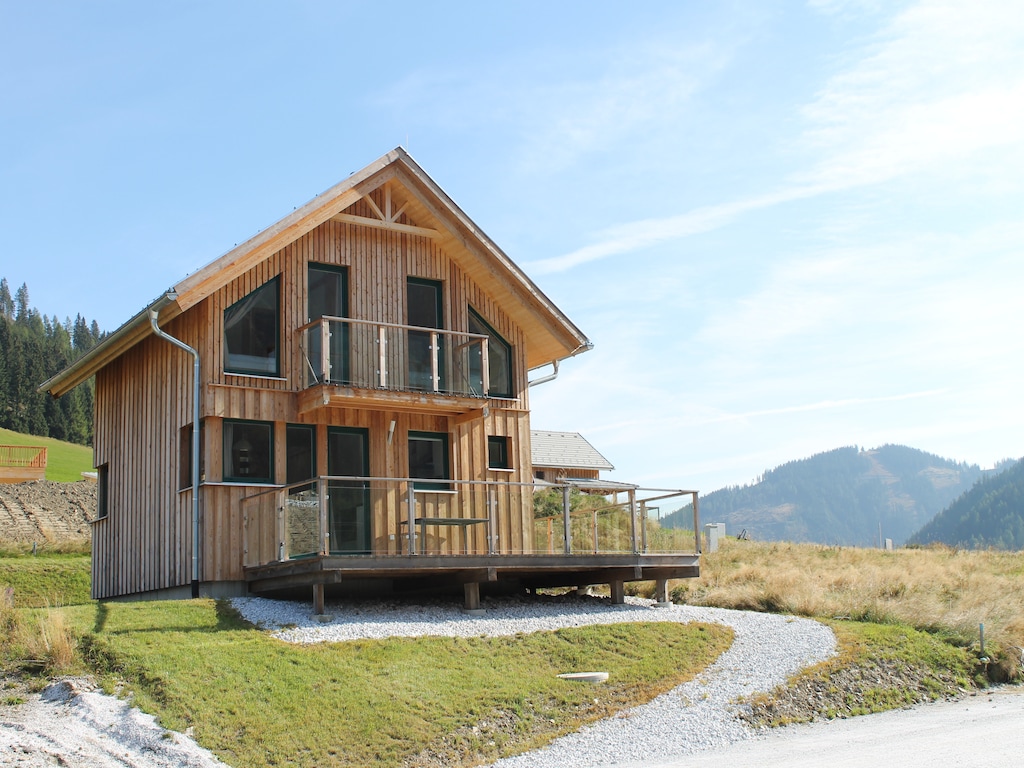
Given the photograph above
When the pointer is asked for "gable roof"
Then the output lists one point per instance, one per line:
(551, 335)
(564, 450)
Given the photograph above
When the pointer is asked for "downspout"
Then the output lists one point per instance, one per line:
(554, 364)
(195, 440)
(549, 377)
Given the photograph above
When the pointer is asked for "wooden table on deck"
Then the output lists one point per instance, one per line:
(463, 522)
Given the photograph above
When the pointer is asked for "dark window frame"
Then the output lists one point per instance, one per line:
(431, 482)
(498, 454)
(103, 491)
(290, 430)
(234, 315)
(494, 340)
(228, 453)
(185, 455)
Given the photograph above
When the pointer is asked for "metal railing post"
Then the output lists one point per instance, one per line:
(324, 534)
(643, 525)
(411, 503)
(565, 518)
(435, 368)
(492, 504)
(382, 359)
(696, 525)
(325, 350)
(632, 521)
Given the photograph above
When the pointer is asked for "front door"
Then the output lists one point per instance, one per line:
(348, 503)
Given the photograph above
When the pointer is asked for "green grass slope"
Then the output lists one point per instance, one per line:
(65, 462)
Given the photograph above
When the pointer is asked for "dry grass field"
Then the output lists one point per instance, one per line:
(936, 589)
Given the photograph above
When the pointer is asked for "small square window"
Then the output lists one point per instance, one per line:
(248, 451)
(497, 453)
(428, 459)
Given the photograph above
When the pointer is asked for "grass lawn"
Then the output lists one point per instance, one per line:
(65, 462)
(257, 701)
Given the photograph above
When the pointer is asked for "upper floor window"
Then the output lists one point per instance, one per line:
(499, 358)
(252, 333)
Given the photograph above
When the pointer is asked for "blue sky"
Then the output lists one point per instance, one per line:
(787, 227)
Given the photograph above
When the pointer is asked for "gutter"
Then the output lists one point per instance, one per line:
(196, 384)
(126, 336)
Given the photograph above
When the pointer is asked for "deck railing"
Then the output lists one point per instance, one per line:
(368, 516)
(21, 463)
(404, 358)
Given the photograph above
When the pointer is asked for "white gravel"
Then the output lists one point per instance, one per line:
(69, 723)
(695, 717)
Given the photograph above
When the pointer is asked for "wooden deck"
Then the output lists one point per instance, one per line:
(405, 572)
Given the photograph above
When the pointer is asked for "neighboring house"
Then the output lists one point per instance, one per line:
(559, 456)
(569, 458)
(361, 416)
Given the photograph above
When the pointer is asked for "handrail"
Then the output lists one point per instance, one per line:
(33, 456)
(629, 531)
(393, 368)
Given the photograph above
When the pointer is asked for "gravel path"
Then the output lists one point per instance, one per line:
(695, 717)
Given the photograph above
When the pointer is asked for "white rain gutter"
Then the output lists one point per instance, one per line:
(196, 383)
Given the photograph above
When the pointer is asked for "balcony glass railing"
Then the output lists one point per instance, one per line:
(361, 516)
(403, 358)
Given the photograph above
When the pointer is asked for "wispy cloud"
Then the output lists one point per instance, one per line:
(938, 83)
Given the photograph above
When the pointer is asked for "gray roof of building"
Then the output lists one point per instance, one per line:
(568, 450)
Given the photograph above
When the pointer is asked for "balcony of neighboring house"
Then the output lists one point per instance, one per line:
(363, 364)
(330, 530)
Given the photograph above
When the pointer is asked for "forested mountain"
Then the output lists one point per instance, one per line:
(991, 514)
(840, 497)
(33, 348)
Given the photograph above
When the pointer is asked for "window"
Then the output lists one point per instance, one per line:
(185, 456)
(102, 491)
(499, 358)
(497, 453)
(248, 451)
(252, 333)
(428, 459)
(301, 450)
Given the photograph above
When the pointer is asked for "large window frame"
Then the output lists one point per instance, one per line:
(251, 346)
(248, 455)
(499, 357)
(429, 462)
(300, 453)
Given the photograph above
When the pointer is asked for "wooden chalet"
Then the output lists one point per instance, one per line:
(341, 401)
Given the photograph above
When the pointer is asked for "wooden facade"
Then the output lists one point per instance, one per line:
(386, 228)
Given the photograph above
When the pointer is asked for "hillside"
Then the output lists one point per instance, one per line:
(991, 514)
(840, 497)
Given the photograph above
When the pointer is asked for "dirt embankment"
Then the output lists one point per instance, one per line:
(44, 512)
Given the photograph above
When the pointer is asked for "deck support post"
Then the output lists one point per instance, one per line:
(318, 599)
(471, 590)
(661, 592)
(618, 590)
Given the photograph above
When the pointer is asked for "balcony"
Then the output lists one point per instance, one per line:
(364, 364)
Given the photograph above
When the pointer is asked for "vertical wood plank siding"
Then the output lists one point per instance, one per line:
(143, 399)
